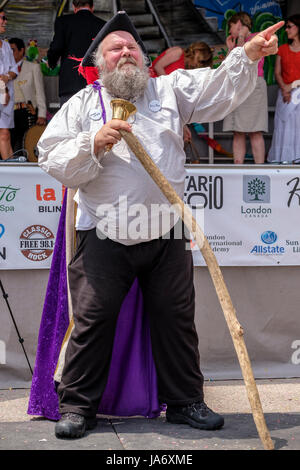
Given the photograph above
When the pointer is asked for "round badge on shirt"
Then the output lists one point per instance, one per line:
(95, 114)
(154, 106)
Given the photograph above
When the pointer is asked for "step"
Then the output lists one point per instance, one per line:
(155, 46)
(101, 5)
(133, 6)
(149, 32)
(142, 20)
(103, 15)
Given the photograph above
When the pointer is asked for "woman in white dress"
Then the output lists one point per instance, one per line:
(8, 72)
(286, 136)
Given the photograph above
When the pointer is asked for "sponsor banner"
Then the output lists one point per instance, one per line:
(30, 206)
(251, 215)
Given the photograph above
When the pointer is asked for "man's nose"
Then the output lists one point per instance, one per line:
(126, 51)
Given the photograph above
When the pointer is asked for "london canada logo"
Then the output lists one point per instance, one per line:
(37, 242)
(257, 192)
(268, 238)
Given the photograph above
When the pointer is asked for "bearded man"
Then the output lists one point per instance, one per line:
(82, 148)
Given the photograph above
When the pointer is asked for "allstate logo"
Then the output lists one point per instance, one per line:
(268, 237)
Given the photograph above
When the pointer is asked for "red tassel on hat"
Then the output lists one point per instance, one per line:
(88, 72)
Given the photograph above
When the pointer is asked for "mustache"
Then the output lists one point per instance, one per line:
(126, 60)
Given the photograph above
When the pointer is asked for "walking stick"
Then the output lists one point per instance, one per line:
(122, 110)
(69, 250)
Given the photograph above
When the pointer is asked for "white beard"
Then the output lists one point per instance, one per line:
(125, 81)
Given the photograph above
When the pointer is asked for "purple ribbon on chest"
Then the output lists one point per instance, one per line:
(98, 87)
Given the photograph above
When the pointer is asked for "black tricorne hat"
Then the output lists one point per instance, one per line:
(119, 22)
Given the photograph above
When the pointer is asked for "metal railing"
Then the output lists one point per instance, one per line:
(116, 6)
(158, 22)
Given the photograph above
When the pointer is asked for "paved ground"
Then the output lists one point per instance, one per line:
(280, 400)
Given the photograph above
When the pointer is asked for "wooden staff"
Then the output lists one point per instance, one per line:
(235, 328)
(70, 248)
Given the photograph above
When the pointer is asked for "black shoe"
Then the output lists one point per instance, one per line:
(73, 425)
(197, 415)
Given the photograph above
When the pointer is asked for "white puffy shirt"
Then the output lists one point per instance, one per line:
(114, 182)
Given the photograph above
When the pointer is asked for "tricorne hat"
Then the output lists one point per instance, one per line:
(119, 22)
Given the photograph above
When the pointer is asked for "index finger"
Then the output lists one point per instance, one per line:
(272, 29)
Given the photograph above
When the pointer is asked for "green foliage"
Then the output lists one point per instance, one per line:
(219, 57)
(227, 15)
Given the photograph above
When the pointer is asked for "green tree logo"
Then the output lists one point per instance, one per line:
(256, 187)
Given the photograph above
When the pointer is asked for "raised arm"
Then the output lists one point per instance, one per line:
(172, 55)
(264, 43)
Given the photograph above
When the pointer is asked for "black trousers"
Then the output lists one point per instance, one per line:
(22, 123)
(100, 275)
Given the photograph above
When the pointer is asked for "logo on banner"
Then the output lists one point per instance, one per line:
(47, 195)
(295, 191)
(2, 230)
(37, 242)
(7, 195)
(257, 191)
(268, 238)
(206, 191)
(294, 245)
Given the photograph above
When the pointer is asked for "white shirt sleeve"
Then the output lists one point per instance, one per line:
(207, 95)
(65, 150)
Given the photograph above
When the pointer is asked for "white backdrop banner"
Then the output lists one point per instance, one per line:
(30, 206)
(251, 216)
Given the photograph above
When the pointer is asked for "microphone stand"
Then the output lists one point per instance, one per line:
(21, 340)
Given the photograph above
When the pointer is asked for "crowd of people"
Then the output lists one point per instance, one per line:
(23, 101)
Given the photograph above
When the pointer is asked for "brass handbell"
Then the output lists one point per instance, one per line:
(122, 109)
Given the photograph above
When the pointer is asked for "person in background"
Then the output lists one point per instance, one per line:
(73, 35)
(286, 136)
(8, 72)
(30, 100)
(197, 55)
(251, 117)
